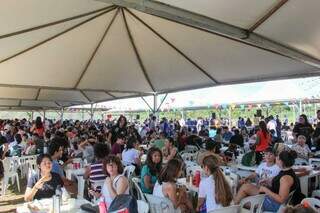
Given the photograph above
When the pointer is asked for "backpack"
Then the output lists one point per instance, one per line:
(249, 159)
(123, 204)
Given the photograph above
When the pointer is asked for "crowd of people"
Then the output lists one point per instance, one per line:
(109, 146)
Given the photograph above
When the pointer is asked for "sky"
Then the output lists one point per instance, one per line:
(260, 92)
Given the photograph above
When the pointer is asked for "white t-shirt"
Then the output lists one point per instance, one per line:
(271, 171)
(128, 156)
(207, 191)
(272, 124)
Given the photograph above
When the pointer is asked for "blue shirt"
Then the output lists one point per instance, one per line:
(56, 168)
(146, 171)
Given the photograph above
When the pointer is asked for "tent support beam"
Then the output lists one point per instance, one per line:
(53, 23)
(162, 102)
(38, 93)
(91, 112)
(211, 25)
(155, 104)
(147, 103)
(62, 113)
(137, 52)
(108, 93)
(174, 47)
(267, 15)
(70, 89)
(96, 49)
(84, 94)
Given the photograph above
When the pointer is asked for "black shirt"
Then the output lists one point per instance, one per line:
(115, 131)
(48, 189)
(275, 186)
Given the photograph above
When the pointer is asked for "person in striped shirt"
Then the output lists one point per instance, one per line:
(95, 172)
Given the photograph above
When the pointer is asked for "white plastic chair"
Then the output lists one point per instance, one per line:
(283, 206)
(135, 185)
(190, 164)
(189, 156)
(313, 202)
(255, 203)
(128, 171)
(9, 174)
(301, 161)
(316, 194)
(143, 206)
(160, 205)
(229, 209)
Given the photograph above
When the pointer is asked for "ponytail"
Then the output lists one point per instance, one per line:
(222, 191)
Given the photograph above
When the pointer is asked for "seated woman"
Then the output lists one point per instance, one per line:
(282, 184)
(151, 170)
(44, 184)
(166, 186)
(130, 155)
(115, 183)
(169, 151)
(301, 148)
(95, 171)
(214, 190)
(264, 174)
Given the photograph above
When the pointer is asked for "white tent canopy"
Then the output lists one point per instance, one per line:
(57, 53)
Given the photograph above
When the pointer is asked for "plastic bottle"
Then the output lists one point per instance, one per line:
(45, 148)
(57, 200)
(102, 205)
(197, 178)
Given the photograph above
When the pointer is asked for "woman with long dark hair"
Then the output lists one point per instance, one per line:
(166, 186)
(263, 141)
(119, 129)
(303, 127)
(151, 170)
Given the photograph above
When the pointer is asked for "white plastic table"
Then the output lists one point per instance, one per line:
(46, 204)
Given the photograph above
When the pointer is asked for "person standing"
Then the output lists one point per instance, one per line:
(263, 141)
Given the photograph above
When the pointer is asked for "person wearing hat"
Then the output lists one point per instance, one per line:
(263, 174)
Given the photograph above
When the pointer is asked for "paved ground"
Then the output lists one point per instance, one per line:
(13, 197)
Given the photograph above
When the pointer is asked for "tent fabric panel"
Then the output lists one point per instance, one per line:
(18, 93)
(166, 68)
(62, 95)
(19, 15)
(115, 65)
(241, 13)
(296, 25)
(15, 44)
(227, 60)
(59, 62)
(43, 104)
(98, 96)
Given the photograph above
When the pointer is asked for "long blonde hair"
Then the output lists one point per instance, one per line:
(222, 192)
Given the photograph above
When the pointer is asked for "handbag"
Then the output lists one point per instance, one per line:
(123, 204)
